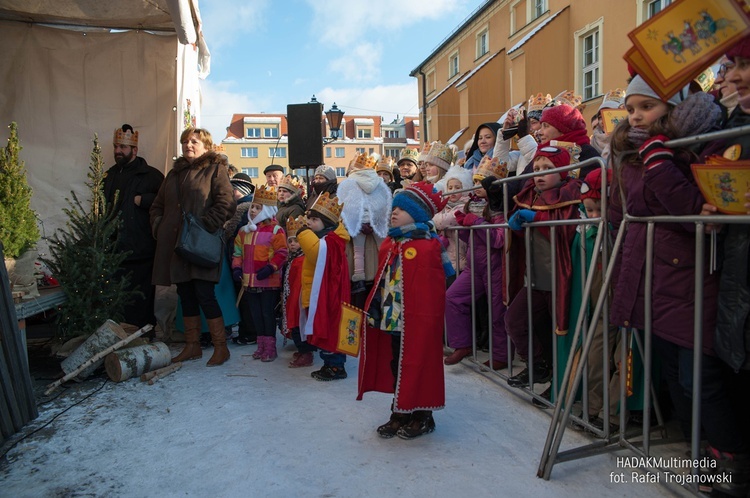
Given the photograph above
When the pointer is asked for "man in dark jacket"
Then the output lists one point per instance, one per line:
(130, 187)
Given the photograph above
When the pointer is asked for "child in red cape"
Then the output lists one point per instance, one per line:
(402, 345)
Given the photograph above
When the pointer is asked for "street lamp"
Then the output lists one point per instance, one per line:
(334, 115)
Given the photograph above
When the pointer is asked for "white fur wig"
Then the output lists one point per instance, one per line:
(366, 199)
(455, 172)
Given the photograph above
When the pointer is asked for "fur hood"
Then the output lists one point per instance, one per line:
(204, 161)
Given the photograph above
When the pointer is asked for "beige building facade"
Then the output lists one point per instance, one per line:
(254, 141)
(507, 50)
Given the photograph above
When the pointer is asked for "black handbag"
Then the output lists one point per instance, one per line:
(197, 245)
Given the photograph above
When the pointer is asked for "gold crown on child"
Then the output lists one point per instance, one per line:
(386, 164)
(569, 98)
(491, 166)
(538, 102)
(328, 206)
(291, 184)
(293, 225)
(363, 161)
(265, 195)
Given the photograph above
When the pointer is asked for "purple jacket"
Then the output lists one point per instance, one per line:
(497, 242)
(667, 189)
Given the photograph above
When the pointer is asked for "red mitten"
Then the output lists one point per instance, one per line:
(470, 219)
(459, 215)
(653, 152)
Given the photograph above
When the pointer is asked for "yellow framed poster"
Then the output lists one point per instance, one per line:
(679, 42)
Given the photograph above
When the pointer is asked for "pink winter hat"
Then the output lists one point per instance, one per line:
(564, 118)
(740, 49)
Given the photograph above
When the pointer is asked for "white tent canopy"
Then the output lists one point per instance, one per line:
(70, 69)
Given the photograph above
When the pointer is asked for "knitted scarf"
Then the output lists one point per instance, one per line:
(422, 231)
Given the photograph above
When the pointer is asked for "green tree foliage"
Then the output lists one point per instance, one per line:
(85, 259)
(18, 229)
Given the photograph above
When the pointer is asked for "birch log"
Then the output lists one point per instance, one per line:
(125, 363)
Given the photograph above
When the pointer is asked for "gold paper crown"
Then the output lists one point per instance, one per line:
(569, 98)
(573, 149)
(363, 161)
(613, 99)
(386, 164)
(328, 206)
(442, 153)
(425, 151)
(294, 224)
(410, 154)
(539, 102)
(125, 137)
(265, 195)
(491, 166)
(292, 184)
(218, 148)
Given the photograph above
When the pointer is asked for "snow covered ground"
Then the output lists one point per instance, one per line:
(249, 428)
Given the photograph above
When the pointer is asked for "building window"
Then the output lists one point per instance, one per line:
(372, 151)
(431, 83)
(391, 134)
(340, 152)
(251, 172)
(539, 7)
(646, 9)
(249, 152)
(360, 150)
(277, 152)
(328, 152)
(656, 6)
(590, 66)
(417, 134)
(453, 65)
(340, 172)
(391, 153)
(270, 133)
(364, 133)
(253, 133)
(482, 42)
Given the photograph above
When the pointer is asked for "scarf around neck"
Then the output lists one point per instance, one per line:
(422, 231)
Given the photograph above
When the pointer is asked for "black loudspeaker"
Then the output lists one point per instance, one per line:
(305, 135)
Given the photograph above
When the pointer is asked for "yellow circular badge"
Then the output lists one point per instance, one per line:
(410, 253)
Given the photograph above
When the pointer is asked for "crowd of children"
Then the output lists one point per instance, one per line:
(391, 234)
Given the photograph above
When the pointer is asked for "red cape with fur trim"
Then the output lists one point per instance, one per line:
(421, 382)
(554, 204)
(335, 289)
(292, 302)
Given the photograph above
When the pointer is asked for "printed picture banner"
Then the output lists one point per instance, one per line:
(611, 118)
(676, 45)
(724, 184)
(350, 330)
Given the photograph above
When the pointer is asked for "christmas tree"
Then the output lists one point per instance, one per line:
(18, 230)
(85, 259)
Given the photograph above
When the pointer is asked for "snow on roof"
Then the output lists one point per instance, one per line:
(533, 32)
(261, 119)
(456, 136)
(364, 121)
(442, 91)
(473, 71)
(415, 121)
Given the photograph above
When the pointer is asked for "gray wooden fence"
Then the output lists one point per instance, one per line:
(17, 403)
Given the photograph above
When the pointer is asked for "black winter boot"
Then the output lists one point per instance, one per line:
(421, 423)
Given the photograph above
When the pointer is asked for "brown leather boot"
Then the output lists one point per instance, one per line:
(192, 349)
(219, 338)
(457, 355)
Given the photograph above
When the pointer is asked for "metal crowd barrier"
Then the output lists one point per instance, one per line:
(638, 441)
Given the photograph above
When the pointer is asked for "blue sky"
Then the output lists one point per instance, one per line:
(267, 54)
